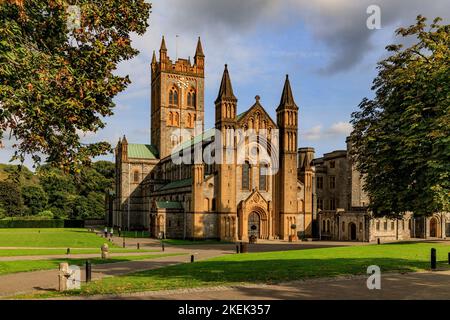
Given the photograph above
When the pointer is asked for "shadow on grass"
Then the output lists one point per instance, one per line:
(213, 273)
(424, 241)
(259, 247)
(415, 286)
(45, 289)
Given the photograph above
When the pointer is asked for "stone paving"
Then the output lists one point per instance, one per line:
(27, 282)
(411, 286)
(47, 280)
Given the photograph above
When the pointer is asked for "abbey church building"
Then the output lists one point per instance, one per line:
(231, 199)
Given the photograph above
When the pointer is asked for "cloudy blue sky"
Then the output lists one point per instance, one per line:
(324, 46)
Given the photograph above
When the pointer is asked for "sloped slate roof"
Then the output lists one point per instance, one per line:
(142, 151)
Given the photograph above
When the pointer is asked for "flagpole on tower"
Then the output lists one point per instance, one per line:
(176, 47)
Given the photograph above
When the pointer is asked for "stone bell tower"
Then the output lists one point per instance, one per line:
(287, 121)
(177, 99)
(226, 106)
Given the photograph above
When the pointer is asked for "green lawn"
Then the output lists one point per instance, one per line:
(60, 251)
(273, 267)
(52, 238)
(8, 267)
(133, 234)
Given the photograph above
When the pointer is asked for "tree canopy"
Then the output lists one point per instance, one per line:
(57, 79)
(52, 193)
(401, 137)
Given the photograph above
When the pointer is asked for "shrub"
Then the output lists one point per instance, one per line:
(46, 214)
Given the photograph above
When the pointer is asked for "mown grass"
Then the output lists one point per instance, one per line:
(181, 242)
(61, 251)
(274, 267)
(50, 237)
(133, 234)
(8, 267)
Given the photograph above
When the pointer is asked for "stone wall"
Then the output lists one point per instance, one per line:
(361, 226)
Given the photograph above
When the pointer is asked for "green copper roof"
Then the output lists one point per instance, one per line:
(239, 116)
(208, 134)
(142, 151)
(177, 184)
(169, 205)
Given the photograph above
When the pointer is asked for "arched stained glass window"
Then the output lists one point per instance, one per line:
(246, 176)
(263, 177)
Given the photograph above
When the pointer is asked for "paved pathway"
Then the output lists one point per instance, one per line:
(47, 280)
(412, 286)
(79, 256)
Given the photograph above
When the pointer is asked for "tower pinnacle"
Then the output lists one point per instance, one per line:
(287, 98)
(163, 45)
(226, 90)
(199, 50)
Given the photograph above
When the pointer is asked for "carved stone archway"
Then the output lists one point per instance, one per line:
(435, 227)
(254, 206)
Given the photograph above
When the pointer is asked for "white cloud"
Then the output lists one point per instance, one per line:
(340, 25)
(338, 130)
(341, 128)
(315, 133)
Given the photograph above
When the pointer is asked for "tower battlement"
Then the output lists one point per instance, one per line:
(177, 103)
(181, 66)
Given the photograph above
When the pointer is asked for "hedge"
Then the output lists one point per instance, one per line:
(41, 223)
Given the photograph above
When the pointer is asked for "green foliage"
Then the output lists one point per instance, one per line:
(46, 214)
(10, 199)
(92, 206)
(57, 82)
(53, 193)
(401, 138)
(17, 173)
(13, 223)
(35, 199)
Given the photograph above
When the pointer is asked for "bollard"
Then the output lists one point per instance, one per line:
(162, 246)
(68, 251)
(237, 248)
(449, 258)
(378, 240)
(244, 247)
(433, 259)
(105, 251)
(138, 246)
(123, 244)
(192, 258)
(63, 269)
(88, 271)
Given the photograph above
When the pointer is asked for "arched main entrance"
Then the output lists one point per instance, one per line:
(434, 228)
(254, 224)
(352, 231)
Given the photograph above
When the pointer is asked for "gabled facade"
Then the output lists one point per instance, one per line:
(231, 199)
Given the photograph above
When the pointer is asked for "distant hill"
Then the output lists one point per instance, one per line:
(27, 177)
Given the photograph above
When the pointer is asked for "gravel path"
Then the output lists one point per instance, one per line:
(411, 286)
(27, 282)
